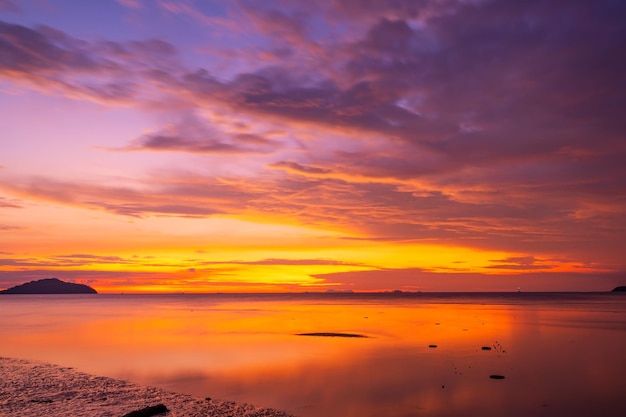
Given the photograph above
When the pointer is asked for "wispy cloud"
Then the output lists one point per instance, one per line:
(104, 71)
(9, 6)
(132, 4)
(524, 263)
(420, 280)
(193, 135)
(300, 168)
(8, 227)
(286, 262)
(9, 203)
(175, 197)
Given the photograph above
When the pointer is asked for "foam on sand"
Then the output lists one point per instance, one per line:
(29, 388)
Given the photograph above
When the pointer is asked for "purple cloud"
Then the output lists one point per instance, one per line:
(9, 6)
(104, 71)
(193, 135)
(486, 124)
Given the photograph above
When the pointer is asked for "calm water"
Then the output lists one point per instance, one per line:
(560, 354)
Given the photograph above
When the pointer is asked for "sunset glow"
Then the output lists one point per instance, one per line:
(277, 146)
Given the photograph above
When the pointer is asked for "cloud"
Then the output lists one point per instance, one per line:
(524, 263)
(299, 168)
(161, 142)
(8, 203)
(103, 71)
(484, 124)
(520, 260)
(131, 4)
(8, 227)
(82, 259)
(64, 261)
(420, 280)
(365, 210)
(9, 6)
(201, 197)
(194, 135)
(286, 262)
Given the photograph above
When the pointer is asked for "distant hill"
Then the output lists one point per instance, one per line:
(50, 286)
(619, 289)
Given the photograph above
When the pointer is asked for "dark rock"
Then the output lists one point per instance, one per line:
(486, 348)
(496, 376)
(619, 289)
(148, 411)
(50, 286)
(432, 346)
(328, 334)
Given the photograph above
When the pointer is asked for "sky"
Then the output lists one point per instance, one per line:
(334, 145)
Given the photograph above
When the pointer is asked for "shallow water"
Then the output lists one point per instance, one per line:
(560, 354)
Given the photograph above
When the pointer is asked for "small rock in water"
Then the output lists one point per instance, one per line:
(432, 346)
(486, 348)
(332, 334)
(496, 376)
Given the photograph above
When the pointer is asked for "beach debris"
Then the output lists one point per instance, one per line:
(331, 334)
(432, 346)
(148, 411)
(496, 376)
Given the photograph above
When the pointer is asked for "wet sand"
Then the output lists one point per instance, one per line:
(29, 388)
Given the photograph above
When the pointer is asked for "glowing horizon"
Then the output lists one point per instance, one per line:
(281, 146)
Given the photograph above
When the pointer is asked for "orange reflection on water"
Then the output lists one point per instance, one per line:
(558, 359)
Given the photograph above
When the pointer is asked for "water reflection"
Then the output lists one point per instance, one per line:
(559, 357)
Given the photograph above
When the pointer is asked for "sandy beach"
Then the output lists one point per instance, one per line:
(30, 388)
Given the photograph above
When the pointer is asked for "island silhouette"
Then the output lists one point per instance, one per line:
(50, 286)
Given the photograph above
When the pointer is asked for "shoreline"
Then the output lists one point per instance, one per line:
(33, 388)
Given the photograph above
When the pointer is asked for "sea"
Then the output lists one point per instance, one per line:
(342, 354)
